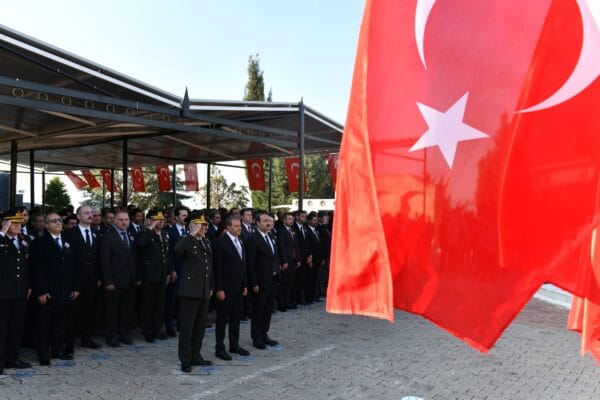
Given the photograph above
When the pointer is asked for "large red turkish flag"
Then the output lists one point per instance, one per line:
(77, 181)
(472, 143)
(137, 176)
(191, 177)
(164, 180)
(108, 181)
(292, 167)
(90, 178)
(256, 174)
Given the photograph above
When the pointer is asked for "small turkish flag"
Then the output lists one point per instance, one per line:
(77, 181)
(191, 177)
(332, 163)
(164, 179)
(90, 179)
(292, 166)
(256, 174)
(472, 134)
(107, 181)
(137, 175)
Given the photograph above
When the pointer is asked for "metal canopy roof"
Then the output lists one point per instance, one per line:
(74, 114)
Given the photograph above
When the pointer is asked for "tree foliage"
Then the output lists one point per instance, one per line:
(223, 194)
(255, 87)
(56, 196)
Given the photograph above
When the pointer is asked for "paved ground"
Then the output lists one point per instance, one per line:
(335, 357)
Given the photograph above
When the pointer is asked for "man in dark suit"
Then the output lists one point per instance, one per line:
(214, 219)
(325, 236)
(153, 249)
(85, 246)
(289, 252)
(176, 232)
(263, 267)
(318, 258)
(247, 223)
(303, 270)
(229, 264)
(15, 289)
(57, 286)
(119, 277)
(195, 291)
(137, 220)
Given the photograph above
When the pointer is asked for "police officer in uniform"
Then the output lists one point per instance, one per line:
(195, 291)
(15, 289)
(153, 249)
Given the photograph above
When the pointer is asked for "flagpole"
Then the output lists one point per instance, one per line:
(301, 145)
(112, 188)
(270, 183)
(207, 185)
(174, 187)
(32, 178)
(125, 177)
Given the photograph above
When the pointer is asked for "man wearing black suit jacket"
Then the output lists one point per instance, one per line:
(57, 286)
(176, 232)
(214, 219)
(229, 266)
(15, 289)
(153, 246)
(325, 236)
(289, 252)
(263, 268)
(318, 258)
(247, 223)
(306, 265)
(85, 245)
(119, 277)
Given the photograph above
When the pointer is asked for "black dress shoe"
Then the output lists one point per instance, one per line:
(239, 350)
(18, 364)
(282, 309)
(302, 303)
(186, 368)
(149, 338)
(162, 336)
(44, 361)
(223, 355)
(270, 342)
(259, 344)
(171, 332)
(1, 371)
(292, 306)
(126, 340)
(112, 342)
(90, 344)
(65, 356)
(202, 362)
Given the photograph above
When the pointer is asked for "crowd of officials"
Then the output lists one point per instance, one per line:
(79, 274)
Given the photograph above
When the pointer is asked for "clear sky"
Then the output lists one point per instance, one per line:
(306, 48)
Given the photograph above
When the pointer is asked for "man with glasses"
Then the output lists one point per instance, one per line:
(57, 285)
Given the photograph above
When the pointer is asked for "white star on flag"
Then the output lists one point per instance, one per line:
(446, 129)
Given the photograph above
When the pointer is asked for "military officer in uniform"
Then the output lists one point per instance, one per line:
(195, 291)
(153, 249)
(15, 289)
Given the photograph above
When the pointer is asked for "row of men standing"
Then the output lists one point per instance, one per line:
(67, 274)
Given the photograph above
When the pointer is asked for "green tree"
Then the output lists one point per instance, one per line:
(223, 194)
(151, 198)
(255, 87)
(56, 195)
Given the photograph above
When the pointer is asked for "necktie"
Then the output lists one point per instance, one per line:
(58, 242)
(88, 240)
(182, 231)
(291, 232)
(15, 242)
(269, 243)
(124, 237)
(238, 246)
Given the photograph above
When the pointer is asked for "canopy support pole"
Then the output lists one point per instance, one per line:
(31, 179)
(301, 187)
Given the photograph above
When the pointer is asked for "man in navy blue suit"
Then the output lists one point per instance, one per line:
(57, 286)
(229, 268)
